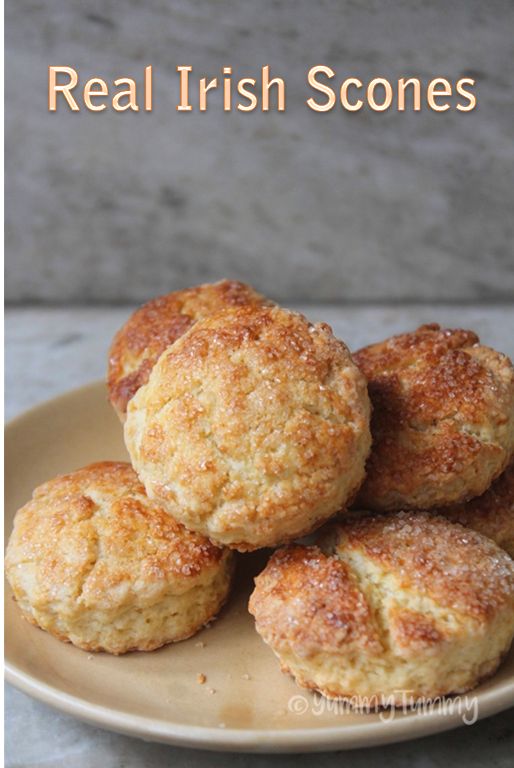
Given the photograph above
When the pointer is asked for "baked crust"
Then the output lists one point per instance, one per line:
(159, 323)
(388, 604)
(491, 514)
(93, 561)
(443, 418)
(253, 427)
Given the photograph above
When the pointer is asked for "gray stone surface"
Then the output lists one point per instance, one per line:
(114, 207)
(51, 350)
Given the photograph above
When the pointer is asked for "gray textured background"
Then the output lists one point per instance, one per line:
(116, 207)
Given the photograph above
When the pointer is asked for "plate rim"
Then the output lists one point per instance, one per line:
(327, 738)
(357, 735)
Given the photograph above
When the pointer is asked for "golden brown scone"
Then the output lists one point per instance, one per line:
(253, 427)
(94, 562)
(491, 514)
(407, 602)
(158, 324)
(443, 418)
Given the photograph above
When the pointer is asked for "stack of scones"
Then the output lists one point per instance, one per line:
(384, 480)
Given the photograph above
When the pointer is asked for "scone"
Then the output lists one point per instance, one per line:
(491, 514)
(253, 427)
(160, 322)
(94, 562)
(443, 419)
(388, 605)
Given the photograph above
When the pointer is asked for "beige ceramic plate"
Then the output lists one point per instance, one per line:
(156, 695)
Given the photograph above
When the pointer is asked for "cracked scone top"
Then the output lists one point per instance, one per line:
(253, 427)
(407, 602)
(443, 418)
(160, 322)
(94, 562)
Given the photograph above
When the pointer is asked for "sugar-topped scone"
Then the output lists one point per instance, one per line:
(253, 427)
(491, 514)
(405, 602)
(153, 327)
(94, 562)
(443, 418)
